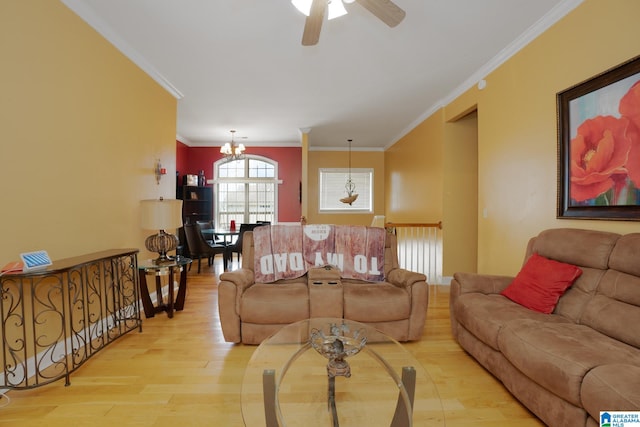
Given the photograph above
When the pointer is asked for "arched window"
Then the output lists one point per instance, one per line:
(246, 190)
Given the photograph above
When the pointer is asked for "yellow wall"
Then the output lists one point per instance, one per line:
(460, 198)
(339, 159)
(81, 129)
(82, 125)
(414, 174)
(518, 137)
(517, 142)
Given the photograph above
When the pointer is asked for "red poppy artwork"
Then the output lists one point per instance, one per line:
(599, 146)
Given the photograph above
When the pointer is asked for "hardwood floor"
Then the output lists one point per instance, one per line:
(180, 372)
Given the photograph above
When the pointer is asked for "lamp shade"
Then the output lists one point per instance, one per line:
(160, 214)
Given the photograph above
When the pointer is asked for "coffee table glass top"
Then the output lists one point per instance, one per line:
(368, 397)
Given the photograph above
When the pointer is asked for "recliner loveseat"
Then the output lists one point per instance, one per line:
(251, 312)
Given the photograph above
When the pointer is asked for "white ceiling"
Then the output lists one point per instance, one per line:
(239, 64)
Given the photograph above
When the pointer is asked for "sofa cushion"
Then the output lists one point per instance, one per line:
(625, 254)
(484, 315)
(275, 303)
(616, 307)
(568, 245)
(558, 355)
(572, 304)
(541, 282)
(375, 302)
(608, 388)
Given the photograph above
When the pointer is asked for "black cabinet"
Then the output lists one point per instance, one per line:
(197, 203)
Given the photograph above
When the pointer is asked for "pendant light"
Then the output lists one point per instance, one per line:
(350, 186)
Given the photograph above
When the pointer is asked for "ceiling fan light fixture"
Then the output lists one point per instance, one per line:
(316, 10)
(336, 9)
(304, 6)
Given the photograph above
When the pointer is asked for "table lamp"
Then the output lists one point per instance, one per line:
(161, 214)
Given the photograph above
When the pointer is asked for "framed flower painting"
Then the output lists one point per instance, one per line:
(599, 146)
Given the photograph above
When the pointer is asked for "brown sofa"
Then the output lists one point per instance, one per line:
(582, 358)
(251, 312)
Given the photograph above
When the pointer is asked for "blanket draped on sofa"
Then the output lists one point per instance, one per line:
(288, 252)
(253, 309)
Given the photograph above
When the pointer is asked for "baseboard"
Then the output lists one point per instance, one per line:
(56, 356)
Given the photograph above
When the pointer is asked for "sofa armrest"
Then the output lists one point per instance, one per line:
(404, 278)
(241, 278)
(482, 283)
(415, 284)
(466, 283)
(230, 289)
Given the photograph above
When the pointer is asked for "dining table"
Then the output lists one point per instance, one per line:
(227, 234)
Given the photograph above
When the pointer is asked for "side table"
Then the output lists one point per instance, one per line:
(149, 267)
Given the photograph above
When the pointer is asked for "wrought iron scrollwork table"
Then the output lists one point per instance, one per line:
(55, 319)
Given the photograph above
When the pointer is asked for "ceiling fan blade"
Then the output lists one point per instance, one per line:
(386, 10)
(313, 24)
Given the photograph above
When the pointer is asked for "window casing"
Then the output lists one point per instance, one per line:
(332, 189)
(246, 190)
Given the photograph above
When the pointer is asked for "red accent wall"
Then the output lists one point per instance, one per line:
(182, 157)
(191, 160)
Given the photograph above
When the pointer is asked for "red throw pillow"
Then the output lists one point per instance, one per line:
(541, 283)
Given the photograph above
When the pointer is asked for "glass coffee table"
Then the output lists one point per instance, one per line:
(289, 383)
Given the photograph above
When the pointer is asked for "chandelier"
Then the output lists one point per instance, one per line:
(231, 151)
(350, 186)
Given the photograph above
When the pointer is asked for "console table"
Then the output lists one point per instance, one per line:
(55, 319)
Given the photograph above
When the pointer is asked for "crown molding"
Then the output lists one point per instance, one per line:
(553, 16)
(542, 25)
(218, 144)
(539, 27)
(323, 148)
(414, 124)
(98, 24)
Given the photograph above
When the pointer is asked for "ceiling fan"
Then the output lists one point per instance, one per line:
(386, 10)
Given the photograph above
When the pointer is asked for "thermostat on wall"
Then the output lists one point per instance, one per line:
(35, 260)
